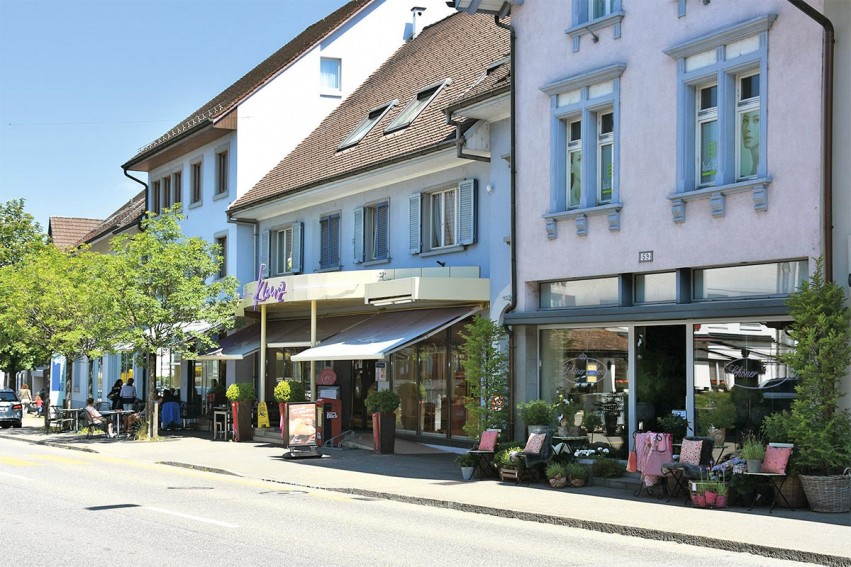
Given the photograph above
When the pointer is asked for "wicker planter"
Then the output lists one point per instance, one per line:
(793, 492)
(577, 482)
(558, 482)
(828, 493)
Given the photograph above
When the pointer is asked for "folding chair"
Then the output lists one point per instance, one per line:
(695, 461)
(537, 453)
(485, 452)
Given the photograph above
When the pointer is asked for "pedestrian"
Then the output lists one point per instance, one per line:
(26, 397)
(44, 401)
(114, 395)
(128, 395)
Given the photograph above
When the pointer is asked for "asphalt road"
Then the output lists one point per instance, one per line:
(62, 507)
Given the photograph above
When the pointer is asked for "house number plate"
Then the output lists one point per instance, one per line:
(645, 256)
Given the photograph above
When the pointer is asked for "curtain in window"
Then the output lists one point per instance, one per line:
(329, 72)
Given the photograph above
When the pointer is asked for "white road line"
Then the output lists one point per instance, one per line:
(190, 517)
(14, 475)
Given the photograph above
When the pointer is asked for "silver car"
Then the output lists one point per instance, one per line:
(11, 409)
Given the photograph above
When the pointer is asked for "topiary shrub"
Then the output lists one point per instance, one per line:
(241, 392)
(289, 391)
(382, 401)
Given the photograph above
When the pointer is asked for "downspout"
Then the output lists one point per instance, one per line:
(459, 140)
(827, 103)
(143, 184)
(512, 302)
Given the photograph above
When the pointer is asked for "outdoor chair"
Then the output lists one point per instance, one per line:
(88, 425)
(537, 453)
(693, 464)
(58, 421)
(484, 453)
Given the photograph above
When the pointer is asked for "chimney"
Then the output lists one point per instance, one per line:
(416, 12)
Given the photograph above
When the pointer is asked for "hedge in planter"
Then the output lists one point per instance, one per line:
(382, 404)
(241, 394)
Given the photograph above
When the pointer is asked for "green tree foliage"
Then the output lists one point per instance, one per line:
(822, 354)
(168, 292)
(19, 233)
(486, 372)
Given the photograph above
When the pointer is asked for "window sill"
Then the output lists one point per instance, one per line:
(331, 269)
(439, 251)
(222, 195)
(195, 205)
(612, 20)
(375, 262)
(716, 196)
(331, 94)
(580, 216)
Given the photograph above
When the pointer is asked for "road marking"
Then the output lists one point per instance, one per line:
(190, 517)
(60, 459)
(13, 476)
(12, 461)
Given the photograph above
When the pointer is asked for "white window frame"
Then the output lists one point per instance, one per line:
(422, 222)
(292, 235)
(605, 139)
(326, 89)
(442, 230)
(574, 150)
(363, 128)
(415, 107)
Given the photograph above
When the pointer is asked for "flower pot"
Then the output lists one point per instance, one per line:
(384, 432)
(754, 465)
(242, 427)
(558, 482)
(721, 501)
(467, 472)
(699, 500)
(710, 498)
(577, 482)
(793, 491)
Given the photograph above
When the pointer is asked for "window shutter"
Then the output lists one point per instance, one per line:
(414, 223)
(358, 235)
(297, 247)
(263, 253)
(334, 245)
(381, 233)
(467, 211)
(325, 236)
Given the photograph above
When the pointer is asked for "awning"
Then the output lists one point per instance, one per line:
(237, 346)
(385, 333)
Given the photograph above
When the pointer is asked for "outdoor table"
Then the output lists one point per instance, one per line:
(116, 415)
(73, 414)
(221, 416)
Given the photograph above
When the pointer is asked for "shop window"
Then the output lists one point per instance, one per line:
(579, 293)
(756, 280)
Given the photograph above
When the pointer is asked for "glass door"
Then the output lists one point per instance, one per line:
(660, 374)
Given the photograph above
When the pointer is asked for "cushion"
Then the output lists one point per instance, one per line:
(690, 452)
(776, 459)
(535, 443)
(488, 441)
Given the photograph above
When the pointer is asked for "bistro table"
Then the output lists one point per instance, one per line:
(73, 414)
(222, 417)
(116, 416)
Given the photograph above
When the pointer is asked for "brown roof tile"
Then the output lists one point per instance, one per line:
(127, 214)
(225, 101)
(459, 47)
(66, 232)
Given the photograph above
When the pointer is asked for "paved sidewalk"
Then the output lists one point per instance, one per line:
(426, 475)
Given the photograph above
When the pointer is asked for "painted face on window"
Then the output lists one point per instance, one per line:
(750, 130)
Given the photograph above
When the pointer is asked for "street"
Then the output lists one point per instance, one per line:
(64, 507)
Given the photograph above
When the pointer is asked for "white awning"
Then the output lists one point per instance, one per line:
(385, 333)
(237, 346)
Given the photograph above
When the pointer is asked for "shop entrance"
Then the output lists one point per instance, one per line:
(363, 381)
(660, 373)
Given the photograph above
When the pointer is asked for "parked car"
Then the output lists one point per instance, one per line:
(11, 409)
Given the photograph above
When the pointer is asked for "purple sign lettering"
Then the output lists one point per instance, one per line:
(265, 291)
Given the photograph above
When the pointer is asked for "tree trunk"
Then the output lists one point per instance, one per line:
(69, 375)
(151, 398)
(91, 378)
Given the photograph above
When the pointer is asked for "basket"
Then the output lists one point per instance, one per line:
(558, 482)
(828, 493)
(793, 491)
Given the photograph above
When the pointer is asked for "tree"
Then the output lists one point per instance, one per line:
(19, 233)
(486, 372)
(168, 294)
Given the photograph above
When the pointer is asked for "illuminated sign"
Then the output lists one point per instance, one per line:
(265, 291)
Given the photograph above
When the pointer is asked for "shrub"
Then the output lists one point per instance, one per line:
(465, 460)
(502, 458)
(289, 391)
(241, 392)
(382, 401)
(536, 412)
(608, 468)
(575, 471)
(556, 469)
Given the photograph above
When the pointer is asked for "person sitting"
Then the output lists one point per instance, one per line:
(98, 419)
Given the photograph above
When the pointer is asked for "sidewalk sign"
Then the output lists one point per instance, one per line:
(300, 430)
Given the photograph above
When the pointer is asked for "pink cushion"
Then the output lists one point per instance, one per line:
(535, 443)
(488, 442)
(776, 459)
(690, 452)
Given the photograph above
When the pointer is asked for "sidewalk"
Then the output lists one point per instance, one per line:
(425, 475)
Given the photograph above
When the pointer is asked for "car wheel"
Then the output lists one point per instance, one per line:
(17, 424)
(5, 425)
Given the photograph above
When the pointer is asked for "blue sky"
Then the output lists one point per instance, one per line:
(85, 84)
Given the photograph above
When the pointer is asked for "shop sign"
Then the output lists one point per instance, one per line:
(584, 370)
(745, 371)
(327, 377)
(264, 291)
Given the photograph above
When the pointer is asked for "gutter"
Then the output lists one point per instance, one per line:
(827, 141)
(459, 140)
(143, 184)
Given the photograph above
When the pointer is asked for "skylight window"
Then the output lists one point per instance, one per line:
(365, 126)
(413, 109)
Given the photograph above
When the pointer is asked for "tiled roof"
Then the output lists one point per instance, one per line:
(126, 215)
(496, 79)
(66, 232)
(225, 101)
(459, 47)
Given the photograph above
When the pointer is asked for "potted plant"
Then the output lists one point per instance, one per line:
(467, 462)
(577, 474)
(536, 414)
(721, 491)
(753, 452)
(241, 395)
(287, 391)
(486, 373)
(675, 424)
(720, 415)
(710, 492)
(510, 467)
(607, 468)
(698, 494)
(382, 404)
(821, 431)
(556, 472)
(565, 411)
(591, 422)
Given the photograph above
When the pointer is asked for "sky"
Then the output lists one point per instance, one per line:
(85, 84)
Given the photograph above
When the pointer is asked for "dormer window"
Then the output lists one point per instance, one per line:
(415, 107)
(365, 126)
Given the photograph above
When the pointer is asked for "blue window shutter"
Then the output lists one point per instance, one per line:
(325, 238)
(263, 254)
(381, 231)
(334, 236)
(358, 235)
(414, 223)
(467, 211)
(297, 247)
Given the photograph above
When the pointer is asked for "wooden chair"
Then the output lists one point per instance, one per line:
(484, 453)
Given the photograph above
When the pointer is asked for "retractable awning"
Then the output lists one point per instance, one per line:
(237, 346)
(385, 333)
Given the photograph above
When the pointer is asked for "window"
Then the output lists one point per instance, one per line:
(579, 293)
(177, 184)
(155, 197)
(414, 108)
(286, 249)
(365, 126)
(585, 154)
(722, 119)
(330, 75)
(371, 233)
(591, 16)
(329, 226)
(222, 243)
(196, 182)
(756, 280)
(166, 192)
(443, 218)
(222, 173)
(655, 288)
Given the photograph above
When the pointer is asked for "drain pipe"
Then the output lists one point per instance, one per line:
(827, 103)
(459, 140)
(512, 303)
(143, 184)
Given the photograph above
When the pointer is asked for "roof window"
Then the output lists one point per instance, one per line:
(415, 107)
(366, 125)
